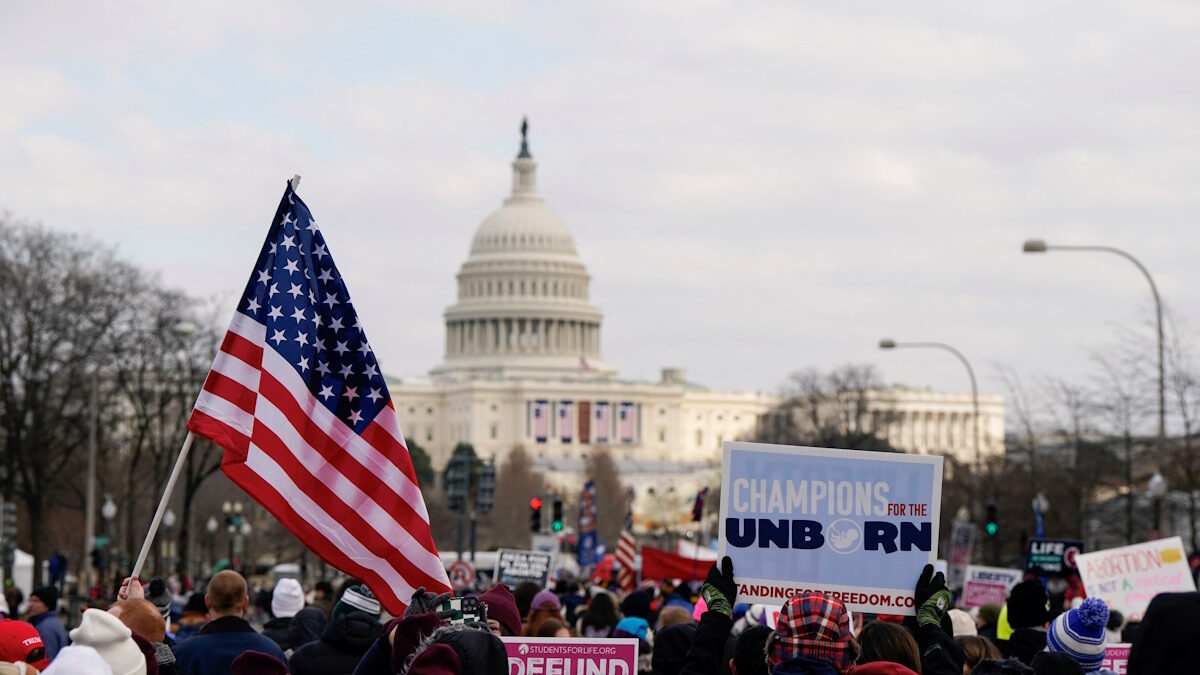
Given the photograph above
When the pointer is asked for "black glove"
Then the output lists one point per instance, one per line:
(928, 584)
(719, 590)
(424, 602)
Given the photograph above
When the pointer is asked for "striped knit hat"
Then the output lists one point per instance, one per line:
(357, 597)
(1079, 633)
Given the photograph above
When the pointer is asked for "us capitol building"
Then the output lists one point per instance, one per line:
(523, 367)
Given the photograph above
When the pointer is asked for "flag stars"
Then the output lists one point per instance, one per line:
(326, 392)
(325, 275)
(274, 289)
(278, 337)
(347, 370)
(312, 225)
(295, 291)
(303, 364)
(374, 395)
(341, 348)
(289, 242)
(322, 368)
(291, 266)
(330, 299)
(371, 371)
(298, 315)
(275, 313)
(355, 416)
(320, 252)
(264, 276)
(336, 324)
(351, 393)
(364, 348)
(301, 338)
(252, 305)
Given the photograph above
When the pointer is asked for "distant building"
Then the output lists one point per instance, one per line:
(523, 367)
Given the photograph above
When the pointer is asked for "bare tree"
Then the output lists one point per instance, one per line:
(1122, 406)
(610, 496)
(844, 408)
(60, 296)
(516, 484)
(1183, 384)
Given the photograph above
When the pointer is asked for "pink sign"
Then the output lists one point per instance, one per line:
(980, 593)
(1116, 659)
(571, 656)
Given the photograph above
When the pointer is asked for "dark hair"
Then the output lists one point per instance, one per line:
(523, 594)
(976, 649)
(749, 653)
(1009, 666)
(889, 642)
(1055, 663)
(601, 612)
(550, 628)
(325, 587)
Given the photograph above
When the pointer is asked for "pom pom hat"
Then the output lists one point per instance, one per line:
(1079, 634)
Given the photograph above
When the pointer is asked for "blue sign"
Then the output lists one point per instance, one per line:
(856, 525)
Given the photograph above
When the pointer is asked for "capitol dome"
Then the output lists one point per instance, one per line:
(523, 308)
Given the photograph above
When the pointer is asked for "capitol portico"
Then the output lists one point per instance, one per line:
(523, 367)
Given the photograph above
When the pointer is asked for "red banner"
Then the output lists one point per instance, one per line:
(658, 564)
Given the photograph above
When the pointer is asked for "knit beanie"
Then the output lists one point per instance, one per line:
(157, 593)
(287, 599)
(78, 660)
(671, 645)
(48, 595)
(1028, 605)
(251, 662)
(545, 601)
(357, 597)
(963, 624)
(502, 606)
(478, 651)
(813, 626)
(1079, 633)
(112, 639)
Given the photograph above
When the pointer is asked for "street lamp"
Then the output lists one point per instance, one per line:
(1039, 246)
(211, 526)
(889, 344)
(1158, 490)
(1040, 506)
(168, 523)
(109, 512)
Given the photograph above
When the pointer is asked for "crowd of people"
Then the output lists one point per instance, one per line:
(681, 629)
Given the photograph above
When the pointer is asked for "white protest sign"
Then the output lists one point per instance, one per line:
(513, 567)
(962, 542)
(858, 526)
(989, 585)
(1127, 578)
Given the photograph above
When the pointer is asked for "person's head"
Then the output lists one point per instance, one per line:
(287, 598)
(749, 650)
(989, 615)
(1080, 634)
(113, 640)
(523, 594)
(603, 607)
(195, 605)
(634, 627)
(813, 626)
(20, 642)
(226, 595)
(553, 628)
(142, 617)
(252, 662)
(889, 642)
(976, 649)
(1115, 620)
(962, 622)
(322, 590)
(42, 600)
(1028, 605)
(1054, 663)
(504, 619)
(158, 594)
(671, 645)
(673, 615)
(357, 598)
(1167, 641)
(637, 604)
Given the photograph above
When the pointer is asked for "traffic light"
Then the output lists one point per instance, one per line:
(457, 477)
(556, 520)
(485, 491)
(993, 524)
(98, 558)
(535, 515)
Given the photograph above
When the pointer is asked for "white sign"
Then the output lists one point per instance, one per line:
(962, 542)
(989, 585)
(1127, 578)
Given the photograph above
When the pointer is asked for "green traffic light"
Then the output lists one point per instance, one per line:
(992, 528)
(557, 525)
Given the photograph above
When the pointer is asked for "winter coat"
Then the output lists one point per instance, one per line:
(1024, 644)
(345, 640)
(804, 667)
(213, 648)
(54, 636)
(940, 654)
(1168, 641)
(278, 629)
(384, 658)
(707, 650)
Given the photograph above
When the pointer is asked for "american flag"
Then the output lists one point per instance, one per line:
(541, 420)
(603, 422)
(627, 557)
(296, 399)
(566, 419)
(627, 423)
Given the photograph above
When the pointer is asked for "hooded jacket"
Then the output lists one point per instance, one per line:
(1024, 644)
(278, 629)
(345, 640)
(306, 627)
(478, 651)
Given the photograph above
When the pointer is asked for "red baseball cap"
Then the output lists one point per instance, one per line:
(20, 641)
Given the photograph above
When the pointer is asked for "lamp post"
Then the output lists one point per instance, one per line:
(211, 526)
(1039, 246)
(1040, 506)
(233, 521)
(109, 512)
(889, 344)
(1158, 490)
(168, 523)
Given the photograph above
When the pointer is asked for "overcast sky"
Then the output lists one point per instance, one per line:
(755, 188)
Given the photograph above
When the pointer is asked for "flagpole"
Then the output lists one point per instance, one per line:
(162, 505)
